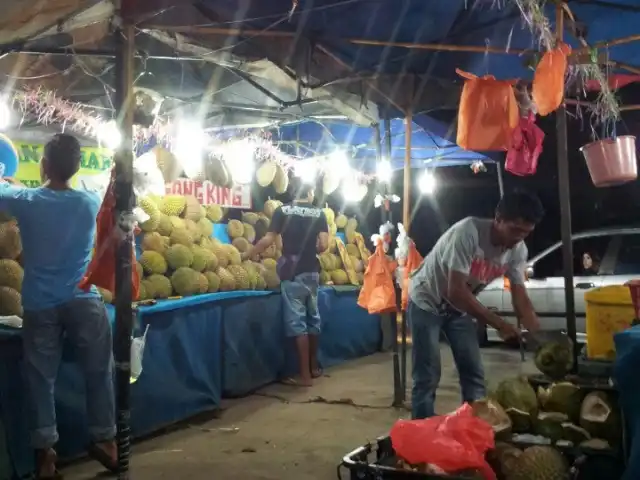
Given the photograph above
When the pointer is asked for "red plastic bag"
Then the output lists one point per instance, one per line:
(548, 81)
(102, 269)
(378, 295)
(414, 259)
(488, 113)
(526, 147)
(455, 442)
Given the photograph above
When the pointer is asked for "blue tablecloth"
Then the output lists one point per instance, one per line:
(256, 352)
(626, 378)
(198, 349)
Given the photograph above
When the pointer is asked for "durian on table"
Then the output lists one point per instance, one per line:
(11, 272)
(180, 258)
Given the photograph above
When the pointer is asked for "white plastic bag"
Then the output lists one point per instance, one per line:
(137, 352)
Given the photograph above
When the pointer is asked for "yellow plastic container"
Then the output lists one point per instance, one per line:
(609, 311)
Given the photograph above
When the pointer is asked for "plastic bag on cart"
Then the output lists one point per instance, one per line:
(378, 294)
(453, 442)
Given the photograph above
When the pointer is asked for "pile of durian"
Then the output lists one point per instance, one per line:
(343, 264)
(180, 258)
(11, 272)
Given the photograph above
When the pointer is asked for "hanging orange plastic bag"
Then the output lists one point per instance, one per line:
(378, 294)
(487, 114)
(414, 260)
(454, 443)
(101, 270)
(548, 81)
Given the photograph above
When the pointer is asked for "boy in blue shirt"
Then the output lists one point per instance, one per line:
(57, 225)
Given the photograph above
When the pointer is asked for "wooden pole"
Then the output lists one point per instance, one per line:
(565, 204)
(124, 39)
(406, 196)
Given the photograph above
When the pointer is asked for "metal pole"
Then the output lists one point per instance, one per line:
(406, 219)
(565, 206)
(500, 179)
(124, 39)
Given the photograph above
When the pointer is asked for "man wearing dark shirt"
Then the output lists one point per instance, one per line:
(304, 233)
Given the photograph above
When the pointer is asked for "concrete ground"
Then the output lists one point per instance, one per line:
(286, 433)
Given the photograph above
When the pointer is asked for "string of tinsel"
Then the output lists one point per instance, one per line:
(532, 12)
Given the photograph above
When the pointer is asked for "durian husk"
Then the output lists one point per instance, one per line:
(266, 173)
(167, 163)
(281, 180)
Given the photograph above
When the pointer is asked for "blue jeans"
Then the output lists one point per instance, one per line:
(85, 323)
(461, 334)
(300, 305)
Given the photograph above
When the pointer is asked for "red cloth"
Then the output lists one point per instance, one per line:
(102, 269)
(525, 148)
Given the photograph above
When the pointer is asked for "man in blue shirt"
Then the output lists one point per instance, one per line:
(57, 225)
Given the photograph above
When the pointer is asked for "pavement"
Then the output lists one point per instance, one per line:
(288, 433)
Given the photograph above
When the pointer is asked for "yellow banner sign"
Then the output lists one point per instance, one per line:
(94, 161)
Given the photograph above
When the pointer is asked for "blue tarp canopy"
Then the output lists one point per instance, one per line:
(429, 148)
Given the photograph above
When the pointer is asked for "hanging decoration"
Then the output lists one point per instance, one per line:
(526, 147)
(385, 200)
(605, 110)
(478, 166)
(488, 113)
(383, 235)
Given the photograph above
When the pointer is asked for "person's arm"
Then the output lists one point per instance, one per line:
(322, 243)
(458, 257)
(522, 305)
(275, 229)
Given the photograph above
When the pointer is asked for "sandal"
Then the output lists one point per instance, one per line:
(293, 382)
(41, 457)
(102, 457)
(317, 373)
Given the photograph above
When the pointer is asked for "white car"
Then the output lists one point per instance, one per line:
(615, 255)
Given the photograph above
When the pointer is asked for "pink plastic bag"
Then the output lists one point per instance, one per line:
(454, 442)
(525, 148)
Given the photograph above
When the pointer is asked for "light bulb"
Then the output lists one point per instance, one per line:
(306, 170)
(5, 116)
(239, 156)
(109, 134)
(189, 147)
(427, 183)
(384, 171)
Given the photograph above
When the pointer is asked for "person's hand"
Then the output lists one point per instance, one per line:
(13, 181)
(508, 331)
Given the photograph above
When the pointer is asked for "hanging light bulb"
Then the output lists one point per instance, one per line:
(384, 171)
(108, 134)
(189, 148)
(306, 170)
(5, 115)
(427, 183)
(239, 156)
(339, 163)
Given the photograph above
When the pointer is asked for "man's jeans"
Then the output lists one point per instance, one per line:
(300, 305)
(85, 323)
(461, 334)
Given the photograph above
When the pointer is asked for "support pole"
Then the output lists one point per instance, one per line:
(500, 179)
(124, 38)
(406, 220)
(565, 205)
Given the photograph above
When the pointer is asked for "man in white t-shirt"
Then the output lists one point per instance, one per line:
(443, 290)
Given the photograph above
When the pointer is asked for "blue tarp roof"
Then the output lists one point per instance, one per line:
(428, 145)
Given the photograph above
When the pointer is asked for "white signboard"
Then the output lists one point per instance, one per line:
(207, 193)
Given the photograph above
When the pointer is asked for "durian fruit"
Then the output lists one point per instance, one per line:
(281, 180)
(10, 302)
(270, 252)
(555, 359)
(227, 280)
(217, 173)
(248, 232)
(165, 226)
(261, 227)
(250, 217)
(10, 241)
(149, 290)
(350, 236)
(271, 279)
(341, 221)
(235, 229)
(203, 283)
(503, 458)
(339, 277)
(241, 244)
(11, 274)
(330, 215)
(270, 206)
(333, 229)
(177, 223)
(220, 252)
(153, 241)
(549, 425)
(202, 258)
(173, 205)
(358, 265)
(352, 224)
(563, 397)
(185, 281)
(266, 173)
(325, 277)
(153, 262)
(492, 412)
(270, 264)
(540, 462)
(161, 286)
(151, 209)
(233, 255)
(142, 293)
(192, 209)
(107, 296)
(167, 163)
(179, 256)
(214, 281)
(214, 213)
(261, 283)
(352, 250)
(601, 417)
(205, 227)
(193, 230)
(181, 236)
